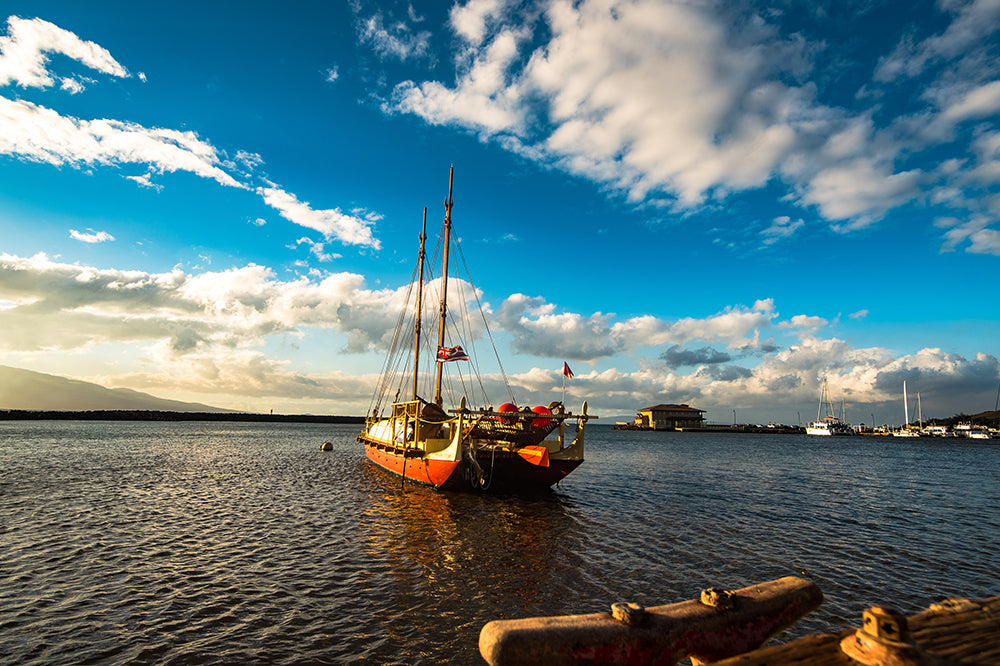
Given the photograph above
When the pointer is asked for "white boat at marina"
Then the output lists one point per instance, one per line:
(827, 425)
(970, 431)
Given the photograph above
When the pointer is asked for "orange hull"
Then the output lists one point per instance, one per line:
(431, 472)
(503, 471)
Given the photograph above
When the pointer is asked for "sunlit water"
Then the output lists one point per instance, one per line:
(191, 543)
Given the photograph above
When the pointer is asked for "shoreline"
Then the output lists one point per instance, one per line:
(158, 415)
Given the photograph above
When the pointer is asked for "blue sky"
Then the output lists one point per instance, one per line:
(719, 204)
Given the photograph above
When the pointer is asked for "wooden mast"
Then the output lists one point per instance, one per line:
(420, 294)
(444, 285)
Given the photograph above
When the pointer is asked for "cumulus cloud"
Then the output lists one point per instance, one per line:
(679, 103)
(785, 387)
(643, 97)
(247, 374)
(677, 356)
(60, 306)
(538, 329)
(804, 322)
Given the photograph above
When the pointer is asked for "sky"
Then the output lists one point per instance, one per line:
(722, 204)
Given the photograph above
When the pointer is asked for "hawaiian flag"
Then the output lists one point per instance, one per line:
(455, 353)
(566, 371)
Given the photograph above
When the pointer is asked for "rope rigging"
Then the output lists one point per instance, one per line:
(460, 329)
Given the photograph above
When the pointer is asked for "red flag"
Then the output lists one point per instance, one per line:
(455, 353)
(566, 371)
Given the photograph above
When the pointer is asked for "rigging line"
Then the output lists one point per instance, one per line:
(470, 336)
(462, 325)
(489, 333)
(382, 386)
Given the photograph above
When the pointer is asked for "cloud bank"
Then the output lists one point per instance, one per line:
(205, 333)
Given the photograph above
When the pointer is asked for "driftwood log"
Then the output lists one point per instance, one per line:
(718, 625)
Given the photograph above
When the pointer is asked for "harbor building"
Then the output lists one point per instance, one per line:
(665, 417)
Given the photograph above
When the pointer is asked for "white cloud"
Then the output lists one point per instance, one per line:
(395, 41)
(349, 229)
(959, 232)
(36, 133)
(67, 306)
(985, 241)
(785, 386)
(40, 134)
(23, 54)
(482, 101)
(678, 104)
(91, 236)
(781, 227)
(973, 21)
(539, 330)
(860, 191)
(979, 102)
(318, 249)
(805, 322)
(471, 19)
(201, 335)
(653, 98)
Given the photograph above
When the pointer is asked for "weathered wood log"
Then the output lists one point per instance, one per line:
(718, 625)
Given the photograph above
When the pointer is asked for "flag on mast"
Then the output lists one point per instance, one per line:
(456, 353)
(566, 371)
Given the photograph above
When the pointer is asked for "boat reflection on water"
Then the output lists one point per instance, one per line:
(481, 547)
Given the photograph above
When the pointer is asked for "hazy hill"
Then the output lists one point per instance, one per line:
(24, 389)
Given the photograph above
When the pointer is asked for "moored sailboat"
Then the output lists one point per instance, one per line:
(906, 430)
(828, 424)
(463, 447)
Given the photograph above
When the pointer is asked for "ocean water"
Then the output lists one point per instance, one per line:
(231, 543)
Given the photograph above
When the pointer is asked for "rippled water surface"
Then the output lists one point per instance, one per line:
(244, 543)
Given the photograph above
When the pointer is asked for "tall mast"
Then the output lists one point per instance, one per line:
(420, 294)
(906, 408)
(444, 284)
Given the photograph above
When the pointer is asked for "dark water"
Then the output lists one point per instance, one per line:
(244, 543)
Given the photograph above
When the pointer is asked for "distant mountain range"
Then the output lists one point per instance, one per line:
(27, 390)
